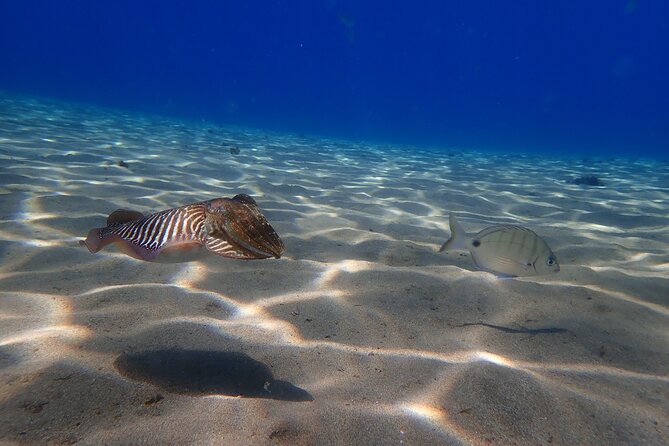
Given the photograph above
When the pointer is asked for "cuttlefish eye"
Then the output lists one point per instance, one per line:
(550, 261)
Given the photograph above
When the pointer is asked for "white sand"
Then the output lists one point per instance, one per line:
(361, 313)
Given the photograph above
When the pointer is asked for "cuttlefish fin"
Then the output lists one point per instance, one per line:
(96, 239)
(174, 252)
(95, 242)
(120, 216)
(227, 248)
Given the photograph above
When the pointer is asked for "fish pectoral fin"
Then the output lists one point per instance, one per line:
(226, 248)
(120, 216)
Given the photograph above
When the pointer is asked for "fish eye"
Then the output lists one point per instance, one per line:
(550, 261)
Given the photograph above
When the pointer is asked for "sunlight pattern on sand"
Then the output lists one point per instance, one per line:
(362, 311)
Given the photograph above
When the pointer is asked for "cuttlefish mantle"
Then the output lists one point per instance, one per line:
(229, 227)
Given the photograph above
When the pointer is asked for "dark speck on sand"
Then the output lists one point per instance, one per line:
(589, 180)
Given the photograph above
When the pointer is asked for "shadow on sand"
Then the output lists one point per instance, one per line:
(202, 372)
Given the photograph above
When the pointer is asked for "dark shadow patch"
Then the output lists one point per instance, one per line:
(82, 158)
(519, 330)
(7, 179)
(587, 180)
(7, 358)
(201, 372)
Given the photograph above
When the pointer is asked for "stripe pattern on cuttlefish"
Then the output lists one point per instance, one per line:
(229, 227)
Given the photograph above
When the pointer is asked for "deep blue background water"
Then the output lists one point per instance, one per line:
(589, 77)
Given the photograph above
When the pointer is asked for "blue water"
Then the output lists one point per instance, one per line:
(575, 77)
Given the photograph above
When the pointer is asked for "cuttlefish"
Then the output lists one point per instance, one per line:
(228, 227)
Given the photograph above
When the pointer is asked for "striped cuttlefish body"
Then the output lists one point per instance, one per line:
(229, 227)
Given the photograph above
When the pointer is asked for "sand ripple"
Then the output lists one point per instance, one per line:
(359, 328)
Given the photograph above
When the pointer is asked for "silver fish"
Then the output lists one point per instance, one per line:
(228, 227)
(504, 249)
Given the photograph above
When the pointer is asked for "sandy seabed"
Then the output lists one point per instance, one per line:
(362, 333)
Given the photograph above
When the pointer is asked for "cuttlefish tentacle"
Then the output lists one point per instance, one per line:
(249, 229)
(222, 226)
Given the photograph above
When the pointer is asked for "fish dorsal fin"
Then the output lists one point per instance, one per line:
(501, 228)
(120, 216)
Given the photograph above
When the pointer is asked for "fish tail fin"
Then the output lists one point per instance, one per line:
(458, 238)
